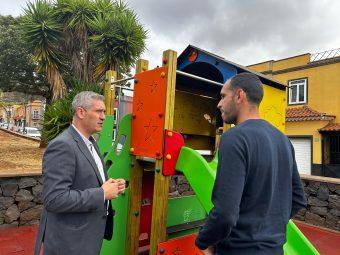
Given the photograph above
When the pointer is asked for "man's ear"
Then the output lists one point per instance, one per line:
(80, 112)
(239, 95)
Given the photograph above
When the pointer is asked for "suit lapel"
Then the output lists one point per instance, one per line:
(83, 148)
(95, 145)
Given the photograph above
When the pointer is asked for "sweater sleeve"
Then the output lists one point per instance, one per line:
(227, 192)
(298, 195)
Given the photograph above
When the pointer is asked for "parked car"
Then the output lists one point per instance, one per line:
(3, 124)
(32, 132)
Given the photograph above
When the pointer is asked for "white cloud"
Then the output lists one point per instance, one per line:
(246, 32)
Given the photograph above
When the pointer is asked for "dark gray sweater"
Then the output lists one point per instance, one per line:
(257, 190)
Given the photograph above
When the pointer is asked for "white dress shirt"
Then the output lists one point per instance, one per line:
(94, 154)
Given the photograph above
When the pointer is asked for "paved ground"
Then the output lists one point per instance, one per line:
(326, 241)
(19, 156)
(20, 241)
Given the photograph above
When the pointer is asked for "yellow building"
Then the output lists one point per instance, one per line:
(313, 108)
(30, 114)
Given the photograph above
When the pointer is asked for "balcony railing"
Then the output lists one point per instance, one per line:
(325, 55)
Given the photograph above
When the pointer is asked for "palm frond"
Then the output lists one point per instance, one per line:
(58, 115)
(57, 82)
(119, 38)
(44, 35)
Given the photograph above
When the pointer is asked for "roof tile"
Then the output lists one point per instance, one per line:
(330, 127)
(306, 113)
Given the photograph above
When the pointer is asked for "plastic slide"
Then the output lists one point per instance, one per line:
(201, 176)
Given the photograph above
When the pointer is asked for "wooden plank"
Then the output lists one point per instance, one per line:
(135, 193)
(161, 186)
(110, 93)
(142, 65)
(134, 205)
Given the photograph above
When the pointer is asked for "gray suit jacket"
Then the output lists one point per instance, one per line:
(74, 218)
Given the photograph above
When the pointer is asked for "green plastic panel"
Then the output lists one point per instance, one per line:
(118, 158)
(213, 163)
(201, 176)
(105, 138)
(183, 210)
(183, 233)
(297, 243)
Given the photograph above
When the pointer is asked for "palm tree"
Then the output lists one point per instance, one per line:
(82, 39)
(44, 35)
(119, 38)
(75, 15)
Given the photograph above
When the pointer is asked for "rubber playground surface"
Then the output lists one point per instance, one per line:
(20, 241)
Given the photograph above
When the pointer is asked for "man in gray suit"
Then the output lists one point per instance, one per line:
(77, 211)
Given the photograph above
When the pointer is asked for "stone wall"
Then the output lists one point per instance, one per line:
(20, 201)
(323, 196)
(323, 206)
(179, 186)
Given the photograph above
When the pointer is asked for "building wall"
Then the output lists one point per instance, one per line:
(30, 108)
(262, 67)
(323, 93)
(308, 128)
(290, 62)
(272, 66)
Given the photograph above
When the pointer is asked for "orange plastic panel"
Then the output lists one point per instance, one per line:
(148, 113)
(179, 246)
(173, 144)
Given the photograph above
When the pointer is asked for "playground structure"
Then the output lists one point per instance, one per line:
(174, 129)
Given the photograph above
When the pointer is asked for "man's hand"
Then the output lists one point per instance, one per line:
(208, 251)
(110, 188)
(121, 185)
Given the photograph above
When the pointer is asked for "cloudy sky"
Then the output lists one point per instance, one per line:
(243, 31)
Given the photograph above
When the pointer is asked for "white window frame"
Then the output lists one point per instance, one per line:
(35, 114)
(297, 83)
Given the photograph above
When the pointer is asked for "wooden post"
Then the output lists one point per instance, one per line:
(135, 192)
(161, 186)
(110, 93)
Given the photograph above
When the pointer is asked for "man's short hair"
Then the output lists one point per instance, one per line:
(250, 84)
(84, 100)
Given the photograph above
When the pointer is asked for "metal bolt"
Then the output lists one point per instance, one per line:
(132, 164)
(136, 81)
(136, 213)
(158, 169)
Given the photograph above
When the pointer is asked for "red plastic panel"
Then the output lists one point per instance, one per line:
(173, 144)
(148, 113)
(179, 246)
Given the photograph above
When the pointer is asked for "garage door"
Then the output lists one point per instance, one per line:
(303, 150)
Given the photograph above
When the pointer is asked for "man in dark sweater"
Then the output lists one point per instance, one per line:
(258, 187)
